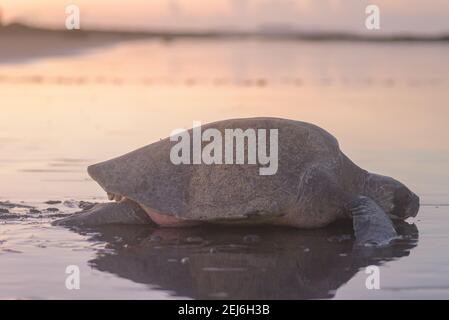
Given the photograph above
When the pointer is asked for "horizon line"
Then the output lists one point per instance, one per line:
(261, 33)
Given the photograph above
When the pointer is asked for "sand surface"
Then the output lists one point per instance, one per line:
(19, 42)
(66, 112)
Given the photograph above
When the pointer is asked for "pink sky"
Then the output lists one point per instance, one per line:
(396, 16)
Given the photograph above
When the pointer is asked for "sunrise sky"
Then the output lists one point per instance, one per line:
(413, 16)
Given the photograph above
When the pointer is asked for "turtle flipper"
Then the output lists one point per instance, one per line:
(126, 212)
(371, 224)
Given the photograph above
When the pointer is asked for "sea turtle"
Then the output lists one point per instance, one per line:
(315, 185)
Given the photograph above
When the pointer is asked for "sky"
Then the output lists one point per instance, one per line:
(413, 16)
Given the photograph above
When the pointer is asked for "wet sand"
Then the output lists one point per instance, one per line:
(201, 263)
(20, 43)
(68, 112)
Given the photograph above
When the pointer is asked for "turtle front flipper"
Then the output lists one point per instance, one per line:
(372, 226)
(127, 212)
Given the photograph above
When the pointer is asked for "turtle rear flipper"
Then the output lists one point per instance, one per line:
(126, 212)
(371, 224)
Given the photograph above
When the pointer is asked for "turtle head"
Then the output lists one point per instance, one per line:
(392, 196)
(112, 177)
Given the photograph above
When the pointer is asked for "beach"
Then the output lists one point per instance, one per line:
(68, 102)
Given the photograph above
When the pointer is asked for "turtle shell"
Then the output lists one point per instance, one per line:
(220, 191)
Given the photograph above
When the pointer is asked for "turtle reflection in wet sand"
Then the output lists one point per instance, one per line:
(314, 186)
(242, 262)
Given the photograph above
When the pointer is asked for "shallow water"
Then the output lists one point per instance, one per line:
(386, 104)
(122, 262)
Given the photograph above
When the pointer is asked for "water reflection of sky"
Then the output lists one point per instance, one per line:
(384, 103)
